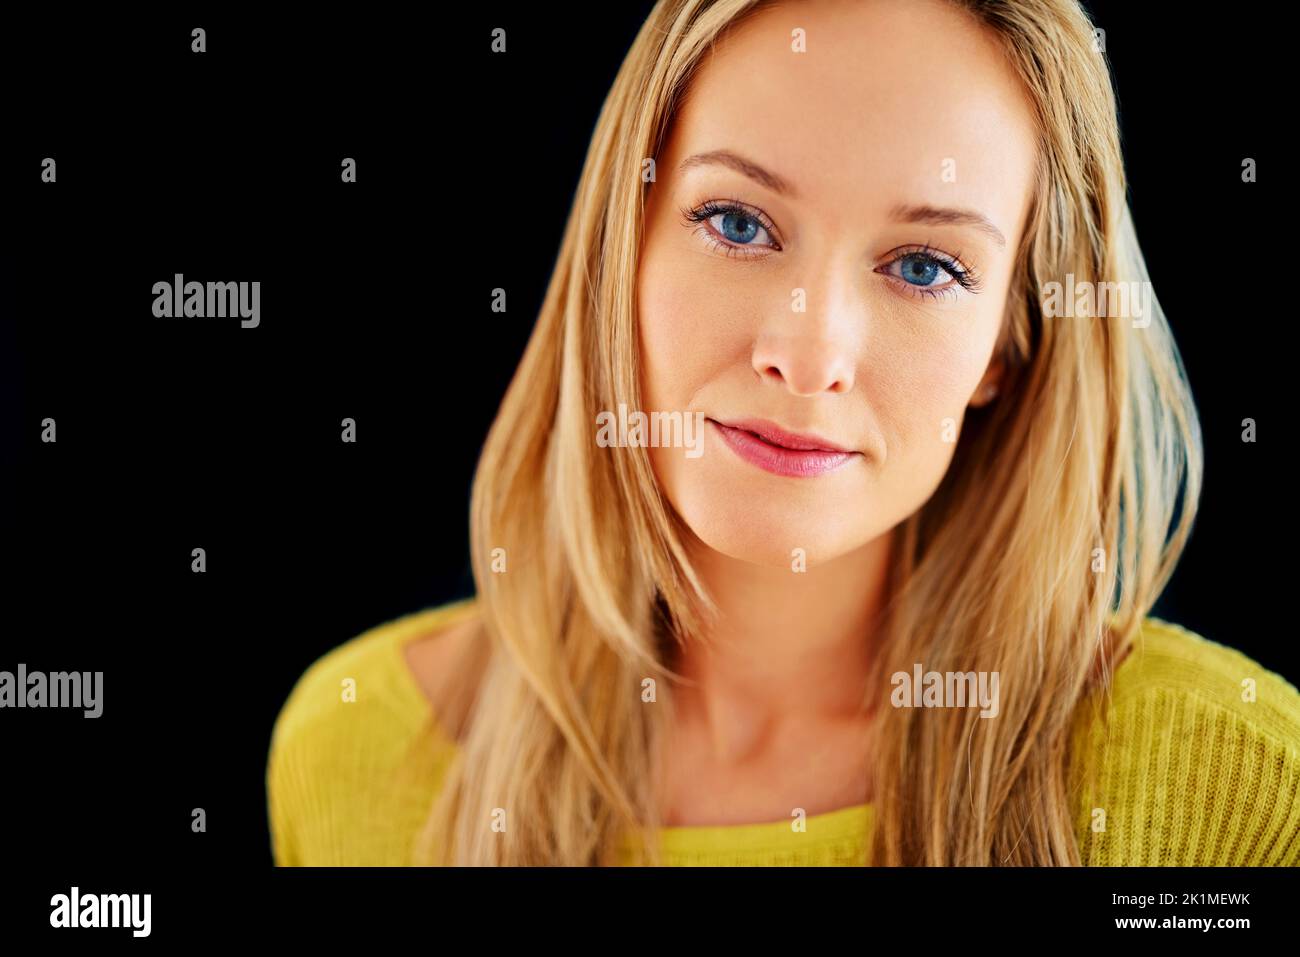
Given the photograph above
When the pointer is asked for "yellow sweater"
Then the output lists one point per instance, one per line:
(1192, 774)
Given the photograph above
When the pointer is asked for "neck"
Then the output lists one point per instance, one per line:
(787, 648)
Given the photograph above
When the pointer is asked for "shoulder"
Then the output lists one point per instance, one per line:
(350, 717)
(1191, 757)
(1175, 668)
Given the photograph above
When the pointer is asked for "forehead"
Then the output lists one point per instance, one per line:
(893, 101)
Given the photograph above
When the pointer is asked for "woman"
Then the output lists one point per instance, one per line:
(826, 234)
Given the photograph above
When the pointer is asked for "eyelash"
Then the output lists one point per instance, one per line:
(707, 210)
(961, 275)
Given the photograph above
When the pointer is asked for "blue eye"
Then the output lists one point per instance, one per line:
(919, 270)
(732, 228)
(738, 227)
(927, 273)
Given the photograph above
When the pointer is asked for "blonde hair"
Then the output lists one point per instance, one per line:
(1090, 446)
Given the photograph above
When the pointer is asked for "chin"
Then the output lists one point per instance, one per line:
(767, 532)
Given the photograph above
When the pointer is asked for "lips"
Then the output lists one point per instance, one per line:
(775, 450)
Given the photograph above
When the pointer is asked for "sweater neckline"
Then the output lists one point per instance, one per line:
(850, 821)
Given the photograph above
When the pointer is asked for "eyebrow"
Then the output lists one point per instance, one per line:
(927, 215)
(943, 216)
(741, 165)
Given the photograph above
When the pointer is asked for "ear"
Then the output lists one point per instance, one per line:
(990, 385)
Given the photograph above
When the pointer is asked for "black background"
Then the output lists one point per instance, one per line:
(376, 305)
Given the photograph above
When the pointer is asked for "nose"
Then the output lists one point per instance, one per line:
(808, 352)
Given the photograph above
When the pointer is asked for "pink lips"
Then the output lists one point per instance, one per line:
(782, 453)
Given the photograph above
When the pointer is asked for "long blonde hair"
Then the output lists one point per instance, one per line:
(1062, 515)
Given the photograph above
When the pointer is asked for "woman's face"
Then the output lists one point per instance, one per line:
(828, 247)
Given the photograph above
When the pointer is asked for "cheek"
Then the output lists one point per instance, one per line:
(664, 335)
(920, 389)
(661, 325)
(689, 328)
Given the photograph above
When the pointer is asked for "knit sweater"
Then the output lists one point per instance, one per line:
(1195, 772)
